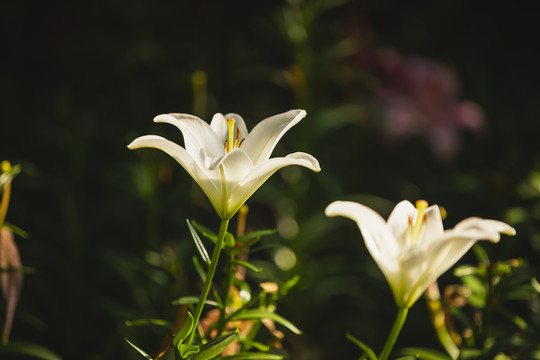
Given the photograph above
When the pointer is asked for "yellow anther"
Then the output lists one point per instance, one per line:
(230, 145)
(421, 205)
(5, 166)
(421, 220)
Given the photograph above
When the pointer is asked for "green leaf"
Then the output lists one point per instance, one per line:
(215, 347)
(253, 356)
(184, 331)
(258, 314)
(198, 268)
(288, 285)
(369, 353)
(157, 322)
(424, 354)
(139, 350)
(187, 300)
(478, 290)
(198, 243)
(248, 265)
(408, 357)
(16, 230)
(464, 270)
(206, 232)
(255, 235)
(481, 254)
(186, 350)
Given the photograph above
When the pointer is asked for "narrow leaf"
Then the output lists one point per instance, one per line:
(265, 314)
(198, 243)
(158, 322)
(248, 265)
(206, 232)
(215, 347)
(139, 350)
(198, 268)
(367, 350)
(253, 356)
(187, 300)
(255, 235)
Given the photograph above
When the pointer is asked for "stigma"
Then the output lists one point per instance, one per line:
(234, 140)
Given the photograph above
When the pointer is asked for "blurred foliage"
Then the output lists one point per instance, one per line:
(107, 236)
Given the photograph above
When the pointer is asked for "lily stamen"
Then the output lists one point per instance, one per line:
(421, 220)
(230, 142)
(233, 142)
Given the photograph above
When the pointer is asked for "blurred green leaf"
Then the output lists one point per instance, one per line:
(198, 243)
(408, 357)
(424, 354)
(139, 350)
(16, 230)
(255, 235)
(481, 254)
(288, 285)
(248, 265)
(478, 290)
(368, 352)
(464, 270)
(258, 314)
(186, 300)
(253, 356)
(198, 268)
(157, 322)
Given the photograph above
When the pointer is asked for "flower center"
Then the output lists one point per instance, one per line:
(234, 141)
(415, 232)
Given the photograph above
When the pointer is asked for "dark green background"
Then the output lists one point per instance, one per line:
(79, 80)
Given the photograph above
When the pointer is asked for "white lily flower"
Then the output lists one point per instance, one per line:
(412, 249)
(228, 163)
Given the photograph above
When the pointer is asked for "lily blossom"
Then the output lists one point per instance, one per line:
(412, 249)
(227, 162)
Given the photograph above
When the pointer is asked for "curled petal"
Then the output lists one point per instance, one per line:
(377, 235)
(197, 134)
(263, 138)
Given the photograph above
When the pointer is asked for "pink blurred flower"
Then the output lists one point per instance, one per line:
(420, 99)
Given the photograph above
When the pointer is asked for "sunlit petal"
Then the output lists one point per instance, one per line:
(197, 134)
(412, 249)
(263, 138)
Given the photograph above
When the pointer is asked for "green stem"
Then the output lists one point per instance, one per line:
(392, 337)
(209, 276)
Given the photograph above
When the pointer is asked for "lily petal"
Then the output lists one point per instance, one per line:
(265, 135)
(377, 235)
(179, 154)
(398, 221)
(197, 135)
(244, 189)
